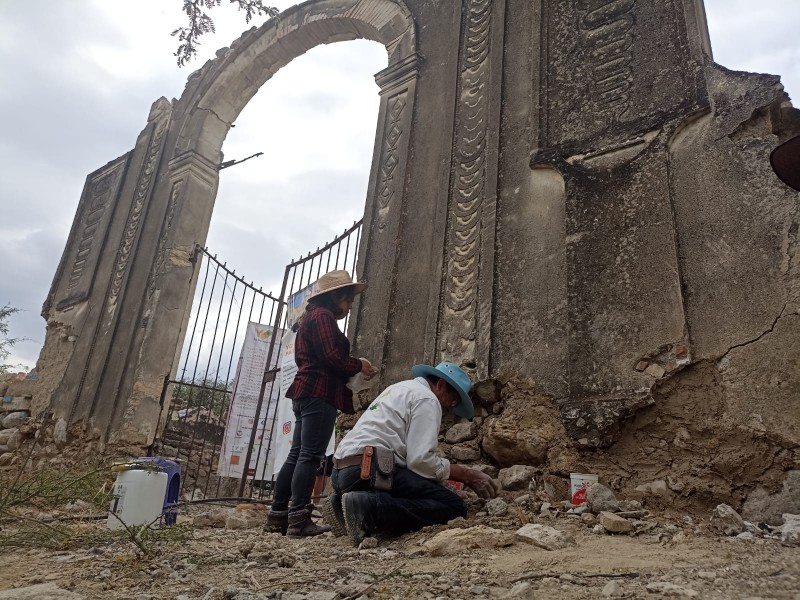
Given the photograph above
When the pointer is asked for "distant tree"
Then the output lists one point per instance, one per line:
(200, 23)
(206, 391)
(6, 343)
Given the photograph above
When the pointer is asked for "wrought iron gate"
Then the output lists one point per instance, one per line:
(199, 398)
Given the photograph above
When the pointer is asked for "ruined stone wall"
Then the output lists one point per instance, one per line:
(571, 200)
(635, 268)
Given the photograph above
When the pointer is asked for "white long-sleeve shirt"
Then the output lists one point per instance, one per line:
(405, 418)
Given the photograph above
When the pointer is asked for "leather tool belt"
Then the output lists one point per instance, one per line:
(377, 466)
(348, 461)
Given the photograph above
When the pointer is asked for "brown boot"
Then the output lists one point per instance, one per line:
(277, 522)
(301, 525)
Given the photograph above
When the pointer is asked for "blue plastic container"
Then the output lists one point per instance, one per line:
(173, 471)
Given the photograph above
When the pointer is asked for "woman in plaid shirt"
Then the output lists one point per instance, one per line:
(324, 364)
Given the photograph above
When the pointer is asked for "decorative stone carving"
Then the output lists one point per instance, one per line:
(162, 241)
(457, 332)
(140, 197)
(392, 136)
(601, 52)
(94, 214)
(385, 202)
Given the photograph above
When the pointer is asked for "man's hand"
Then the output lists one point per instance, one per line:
(478, 481)
(481, 484)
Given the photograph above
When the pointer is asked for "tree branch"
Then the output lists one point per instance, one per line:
(201, 23)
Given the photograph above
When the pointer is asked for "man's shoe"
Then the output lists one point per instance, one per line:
(332, 514)
(277, 522)
(360, 510)
(301, 525)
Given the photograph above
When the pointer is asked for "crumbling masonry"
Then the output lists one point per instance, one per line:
(569, 198)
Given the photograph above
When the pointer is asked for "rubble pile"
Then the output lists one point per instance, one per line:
(607, 547)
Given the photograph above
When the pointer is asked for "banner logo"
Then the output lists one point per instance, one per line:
(263, 335)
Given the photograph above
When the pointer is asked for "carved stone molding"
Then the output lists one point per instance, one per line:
(192, 163)
(94, 370)
(385, 202)
(94, 215)
(457, 329)
(161, 254)
(141, 195)
(398, 74)
(188, 164)
(608, 34)
(394, 131)
(599, 81)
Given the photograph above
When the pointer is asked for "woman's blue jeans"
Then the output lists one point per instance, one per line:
(315, 419)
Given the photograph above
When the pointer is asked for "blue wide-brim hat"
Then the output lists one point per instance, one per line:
(456, 378)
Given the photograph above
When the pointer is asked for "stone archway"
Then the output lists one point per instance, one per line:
(120, 300)
(612, 276)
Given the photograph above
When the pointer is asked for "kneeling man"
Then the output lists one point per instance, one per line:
(403, 423)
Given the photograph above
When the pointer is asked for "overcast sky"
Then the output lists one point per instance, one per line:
(79, 77)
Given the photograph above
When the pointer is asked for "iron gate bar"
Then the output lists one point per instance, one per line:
(270, 371)
(194, 376)
(230, 364)
(194, 330)
(264, 297)
(260, 402)
(208, 365)
(213, 403)
(277, 325)
(210, 421)
(197, 359)
(352, 269)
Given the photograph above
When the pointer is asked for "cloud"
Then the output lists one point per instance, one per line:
(81, 75)
(759, 38)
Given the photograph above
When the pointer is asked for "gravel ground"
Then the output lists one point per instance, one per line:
(662, 556)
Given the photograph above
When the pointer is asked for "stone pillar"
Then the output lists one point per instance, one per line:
(464, 329)
(92, 282)
(597, 285)
(384, 208)
(609, 106)
(188, 193)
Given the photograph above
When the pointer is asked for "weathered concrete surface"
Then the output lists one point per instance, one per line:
(570, 200)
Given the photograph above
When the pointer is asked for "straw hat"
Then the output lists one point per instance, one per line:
(336, 280)
(459, 380)
(785, 160)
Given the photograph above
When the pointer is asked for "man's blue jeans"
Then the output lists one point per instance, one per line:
(313, 427)
(413, 503)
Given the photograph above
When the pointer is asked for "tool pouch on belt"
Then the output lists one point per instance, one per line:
(377, 466)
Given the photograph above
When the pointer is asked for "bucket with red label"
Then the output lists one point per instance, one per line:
(579, 484)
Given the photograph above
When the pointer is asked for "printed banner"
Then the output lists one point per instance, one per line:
(296, 305)
(242, 413)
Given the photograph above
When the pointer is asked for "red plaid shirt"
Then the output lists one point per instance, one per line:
(324, 364)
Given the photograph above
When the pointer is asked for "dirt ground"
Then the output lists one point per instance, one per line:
(674, 555)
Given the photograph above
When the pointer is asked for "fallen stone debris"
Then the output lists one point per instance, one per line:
(536, 547)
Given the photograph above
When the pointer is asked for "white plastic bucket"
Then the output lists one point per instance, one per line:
(579, 483)
(138, 498)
